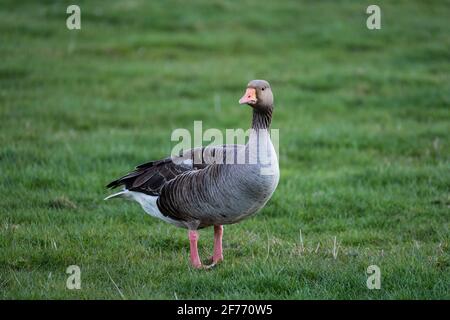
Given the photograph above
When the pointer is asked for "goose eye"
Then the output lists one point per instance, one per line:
(262, 89)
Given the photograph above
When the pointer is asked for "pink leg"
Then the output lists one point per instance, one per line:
(195, 258)
(218, 256)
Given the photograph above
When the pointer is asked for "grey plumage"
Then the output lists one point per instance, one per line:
(201, 188)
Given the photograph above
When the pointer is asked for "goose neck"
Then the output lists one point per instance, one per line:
(261, 119)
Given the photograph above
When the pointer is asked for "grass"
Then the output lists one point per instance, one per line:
(364, 146)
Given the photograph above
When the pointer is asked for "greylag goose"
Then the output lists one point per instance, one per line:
(214, 185)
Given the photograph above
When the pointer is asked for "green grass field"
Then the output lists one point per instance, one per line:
(364, 119)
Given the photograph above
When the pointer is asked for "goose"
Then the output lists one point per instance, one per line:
(213, 185)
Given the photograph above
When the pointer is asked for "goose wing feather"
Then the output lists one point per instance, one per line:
(151, 177)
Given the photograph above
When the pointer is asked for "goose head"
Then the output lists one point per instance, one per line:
(258, 95)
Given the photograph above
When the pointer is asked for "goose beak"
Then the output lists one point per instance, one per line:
(249, 97)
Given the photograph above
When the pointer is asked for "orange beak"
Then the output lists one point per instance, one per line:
(249, 97)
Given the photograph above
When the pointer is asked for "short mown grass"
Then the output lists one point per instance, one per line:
(364, 119)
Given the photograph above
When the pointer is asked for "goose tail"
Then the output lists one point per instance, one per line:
(122, 194)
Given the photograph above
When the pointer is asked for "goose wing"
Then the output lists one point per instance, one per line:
(150, 177)
(211, 195)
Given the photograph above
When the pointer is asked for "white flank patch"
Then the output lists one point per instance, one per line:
(148, 203)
